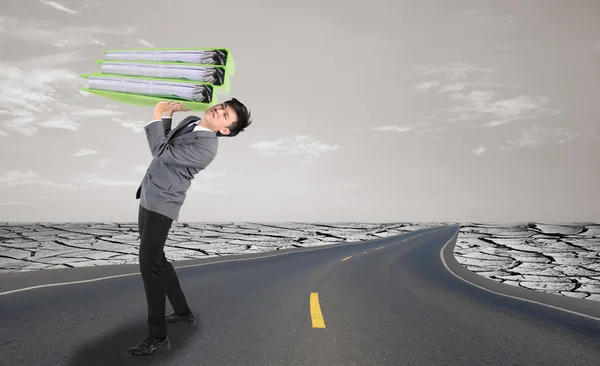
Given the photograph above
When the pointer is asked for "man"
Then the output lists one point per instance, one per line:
(178, 155)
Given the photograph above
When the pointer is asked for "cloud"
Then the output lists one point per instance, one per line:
(513, 107)
(454, 71)
(496, 23)
(392, 128)
(85, 94)
(469, 12)
(140, 168)
(535, 136)
(53, 60)
(476, 99)
(208, 182)
(432, 129)
(480, 104)
(85, 152)
(22, 178)
(206, 174)
(531, 138)
(203, 187)
(102, 162)
(15, 203)
(453, 87)
(136, 126)
(60, 7)
(301, 145)
(480, 150)
(17, 175)
(32, 99)
(425, 85)
(60, 36)
(145, 43)
(91, 181)
(31, 89)
(42, 92)
(86, 181)
(21, 122)
(96, 113)
(63, 123)
(568, 136)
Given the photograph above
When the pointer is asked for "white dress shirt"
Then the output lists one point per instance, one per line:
(196, 128)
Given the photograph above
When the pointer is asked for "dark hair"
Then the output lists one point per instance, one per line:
(244, 118)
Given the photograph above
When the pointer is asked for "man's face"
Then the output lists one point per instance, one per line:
(218, 117)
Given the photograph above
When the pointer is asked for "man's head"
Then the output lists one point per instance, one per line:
(227, 119)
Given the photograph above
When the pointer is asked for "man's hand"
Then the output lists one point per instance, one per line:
(168, 108)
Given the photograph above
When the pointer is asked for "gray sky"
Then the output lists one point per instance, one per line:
(363, 111)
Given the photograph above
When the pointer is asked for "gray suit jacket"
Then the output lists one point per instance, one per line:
(176, 159)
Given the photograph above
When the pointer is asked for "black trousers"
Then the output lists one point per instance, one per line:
(158, 275)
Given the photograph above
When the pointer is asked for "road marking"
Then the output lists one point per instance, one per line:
(364, 252)
(346, 258)
(315, 311)
(378, 248)
(505, 295)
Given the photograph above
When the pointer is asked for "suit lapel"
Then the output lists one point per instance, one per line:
(195, 137)
(175, 132)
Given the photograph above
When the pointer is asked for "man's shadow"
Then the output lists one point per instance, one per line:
(110, 349)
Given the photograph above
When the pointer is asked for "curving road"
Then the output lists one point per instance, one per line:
(400, 300)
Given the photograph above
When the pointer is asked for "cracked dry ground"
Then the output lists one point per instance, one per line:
(36, 246)
(559, 259)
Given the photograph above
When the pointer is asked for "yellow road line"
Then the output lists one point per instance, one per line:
(346, 258)
(315, 311)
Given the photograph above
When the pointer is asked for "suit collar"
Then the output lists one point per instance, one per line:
(174, 134)
(183, 123)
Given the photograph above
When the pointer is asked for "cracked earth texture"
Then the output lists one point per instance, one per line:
(559, 259)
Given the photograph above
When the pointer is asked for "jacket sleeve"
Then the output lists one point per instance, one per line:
(166, 122)
(192, 156)
(166, 128)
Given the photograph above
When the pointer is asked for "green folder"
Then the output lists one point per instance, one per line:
(147, 100)
(229, 63)
(222, 89)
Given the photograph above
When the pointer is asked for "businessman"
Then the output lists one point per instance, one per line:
(178, 155)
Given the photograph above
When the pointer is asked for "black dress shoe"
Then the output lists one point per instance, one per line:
(174, 318)
(150, 346)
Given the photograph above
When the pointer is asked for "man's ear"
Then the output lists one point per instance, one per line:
(225, 131)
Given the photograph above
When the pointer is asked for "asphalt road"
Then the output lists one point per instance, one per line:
(401, 300)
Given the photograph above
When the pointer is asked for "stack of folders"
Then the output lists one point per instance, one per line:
(147, 76)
